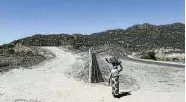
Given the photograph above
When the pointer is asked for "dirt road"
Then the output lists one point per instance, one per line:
(154, 62)
(47, 83)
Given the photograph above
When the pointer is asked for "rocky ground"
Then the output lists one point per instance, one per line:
(24, 60)
(53, 81)
(134, 74)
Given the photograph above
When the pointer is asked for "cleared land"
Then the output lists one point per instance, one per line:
(52, 81)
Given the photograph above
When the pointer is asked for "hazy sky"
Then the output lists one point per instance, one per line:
(21, 18)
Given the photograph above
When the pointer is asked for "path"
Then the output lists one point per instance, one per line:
(154, 62)
(47, 83)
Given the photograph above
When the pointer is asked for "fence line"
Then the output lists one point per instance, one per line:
(95, 75)
(90, 65)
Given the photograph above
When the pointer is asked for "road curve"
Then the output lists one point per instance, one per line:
(155, 63)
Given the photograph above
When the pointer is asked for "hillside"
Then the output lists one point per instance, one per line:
(147, 36)
(135, 38)
(140, 37)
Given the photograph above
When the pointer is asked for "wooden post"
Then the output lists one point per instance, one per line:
(90, 65)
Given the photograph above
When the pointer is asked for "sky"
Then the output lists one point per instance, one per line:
(22, 18)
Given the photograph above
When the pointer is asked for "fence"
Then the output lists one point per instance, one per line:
(95, 75)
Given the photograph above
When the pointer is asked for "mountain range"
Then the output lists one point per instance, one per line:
(139, 37)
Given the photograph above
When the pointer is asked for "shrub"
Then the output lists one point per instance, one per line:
(149, 55)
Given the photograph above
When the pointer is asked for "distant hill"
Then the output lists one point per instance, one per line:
(141, 37)
(147, 36)
(135, 38)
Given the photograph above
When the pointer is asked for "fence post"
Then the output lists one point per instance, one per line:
(90, 65)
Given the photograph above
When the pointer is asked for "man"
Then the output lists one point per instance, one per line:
(114, 76)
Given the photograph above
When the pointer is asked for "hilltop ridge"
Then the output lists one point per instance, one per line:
(135, 38)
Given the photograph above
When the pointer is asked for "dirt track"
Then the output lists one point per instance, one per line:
(168, 64)
(47, 83)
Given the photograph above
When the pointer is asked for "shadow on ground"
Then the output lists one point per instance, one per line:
(122, 94)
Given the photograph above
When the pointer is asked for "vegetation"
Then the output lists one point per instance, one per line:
(141, 37)
(10, 59)
(135, 38)
(149, 55)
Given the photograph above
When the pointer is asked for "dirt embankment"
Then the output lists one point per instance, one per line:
(22, 57)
